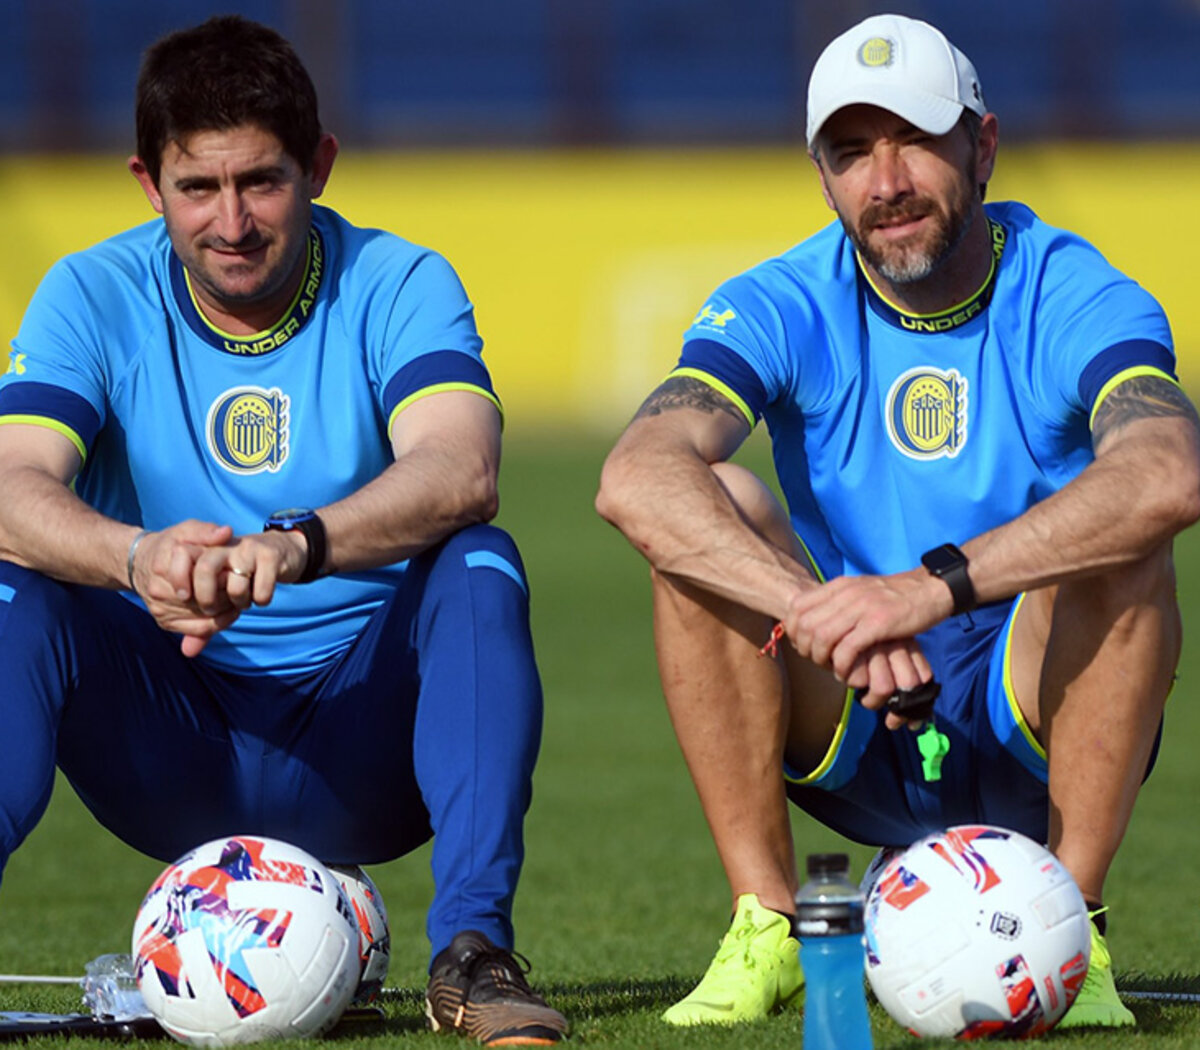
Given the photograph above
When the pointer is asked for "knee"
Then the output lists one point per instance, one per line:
(756, 503)
(477, 546)
(478, 540)
(37, 598)
(15, 577)
(1125, 594)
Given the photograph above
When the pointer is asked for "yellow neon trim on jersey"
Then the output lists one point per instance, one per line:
(940, 313)
(719, 387)
(834, 745)
(50, 424)
(1010, 693)
(1120, 377)
(441, 388)
(999, 239)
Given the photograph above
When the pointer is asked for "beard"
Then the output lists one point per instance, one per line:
(914, 260)
(248, 283)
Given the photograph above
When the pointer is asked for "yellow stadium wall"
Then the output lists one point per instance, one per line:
(585, 267)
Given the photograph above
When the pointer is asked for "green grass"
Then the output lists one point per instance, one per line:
(622, 900)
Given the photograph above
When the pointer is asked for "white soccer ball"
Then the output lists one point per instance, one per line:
(976, 932)
(374, 938)
(246, 938)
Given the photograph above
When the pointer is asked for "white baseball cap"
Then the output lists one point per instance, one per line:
(899, 64)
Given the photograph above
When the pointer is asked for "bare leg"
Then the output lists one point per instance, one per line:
(1093, 661)
(733, 711)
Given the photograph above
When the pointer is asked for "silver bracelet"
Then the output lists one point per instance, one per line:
(133, 546)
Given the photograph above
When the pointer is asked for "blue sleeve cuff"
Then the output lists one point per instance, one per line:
(432, 374)
(736, 377)
(1123, 357)
(44, 404)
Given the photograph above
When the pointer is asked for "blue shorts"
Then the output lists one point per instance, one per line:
(871, 787)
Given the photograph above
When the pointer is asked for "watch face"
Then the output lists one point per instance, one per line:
(942, 559)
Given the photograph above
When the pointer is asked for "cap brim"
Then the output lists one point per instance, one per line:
(931, 113)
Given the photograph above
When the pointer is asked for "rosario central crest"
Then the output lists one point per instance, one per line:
(927, 413)
(248, 429)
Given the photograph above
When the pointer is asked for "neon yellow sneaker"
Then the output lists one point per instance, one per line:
(755, 972)
(1097, 1005)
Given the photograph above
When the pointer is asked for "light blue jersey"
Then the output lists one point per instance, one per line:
(894, 433)
(231, 428)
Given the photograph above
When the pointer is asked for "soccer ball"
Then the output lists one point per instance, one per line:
(245, 938)
(374, 939)
(976, 932)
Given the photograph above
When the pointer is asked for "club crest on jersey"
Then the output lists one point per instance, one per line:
(927, 413)
(248, 429)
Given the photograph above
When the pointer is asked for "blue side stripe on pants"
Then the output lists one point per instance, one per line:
(491, 560)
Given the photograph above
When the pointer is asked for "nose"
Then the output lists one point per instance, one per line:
(890, 180)
(233, 219)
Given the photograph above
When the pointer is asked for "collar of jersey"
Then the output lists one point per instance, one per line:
(257, 343)
(945, 320)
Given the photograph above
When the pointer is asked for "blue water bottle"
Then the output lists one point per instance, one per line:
(829, 917)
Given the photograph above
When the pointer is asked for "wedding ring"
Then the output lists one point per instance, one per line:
(240, 572)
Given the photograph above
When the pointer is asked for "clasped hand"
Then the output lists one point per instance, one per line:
(196, 577)
(863, 629)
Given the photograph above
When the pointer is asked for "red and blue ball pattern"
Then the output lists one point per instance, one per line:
(198, 898)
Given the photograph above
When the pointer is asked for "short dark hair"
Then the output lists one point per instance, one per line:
(972, 124)
(224, 73)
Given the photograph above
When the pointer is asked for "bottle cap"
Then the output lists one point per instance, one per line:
(828, 864)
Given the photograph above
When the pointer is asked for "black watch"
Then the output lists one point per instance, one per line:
(949, 565)
(309, 523)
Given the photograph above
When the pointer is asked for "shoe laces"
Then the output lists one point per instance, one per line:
(739, 940)
(496, 971)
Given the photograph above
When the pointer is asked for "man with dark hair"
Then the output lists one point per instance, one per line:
(985, 454)
(247, 461)
(192, 81)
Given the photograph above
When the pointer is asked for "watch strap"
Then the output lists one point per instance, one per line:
(313, 530)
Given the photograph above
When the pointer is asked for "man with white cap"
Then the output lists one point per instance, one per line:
(985, 455)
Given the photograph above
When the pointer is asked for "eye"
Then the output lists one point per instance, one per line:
(263, 181)
(195, 190)
(847, 156)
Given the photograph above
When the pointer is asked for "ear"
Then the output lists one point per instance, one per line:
(814, 156)
(989, 143)
(139, 171)
(323, 158)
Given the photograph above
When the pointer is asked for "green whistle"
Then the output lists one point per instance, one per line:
(934, 747)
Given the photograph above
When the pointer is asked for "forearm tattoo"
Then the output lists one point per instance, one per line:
(1143, 397)
(686, 392)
